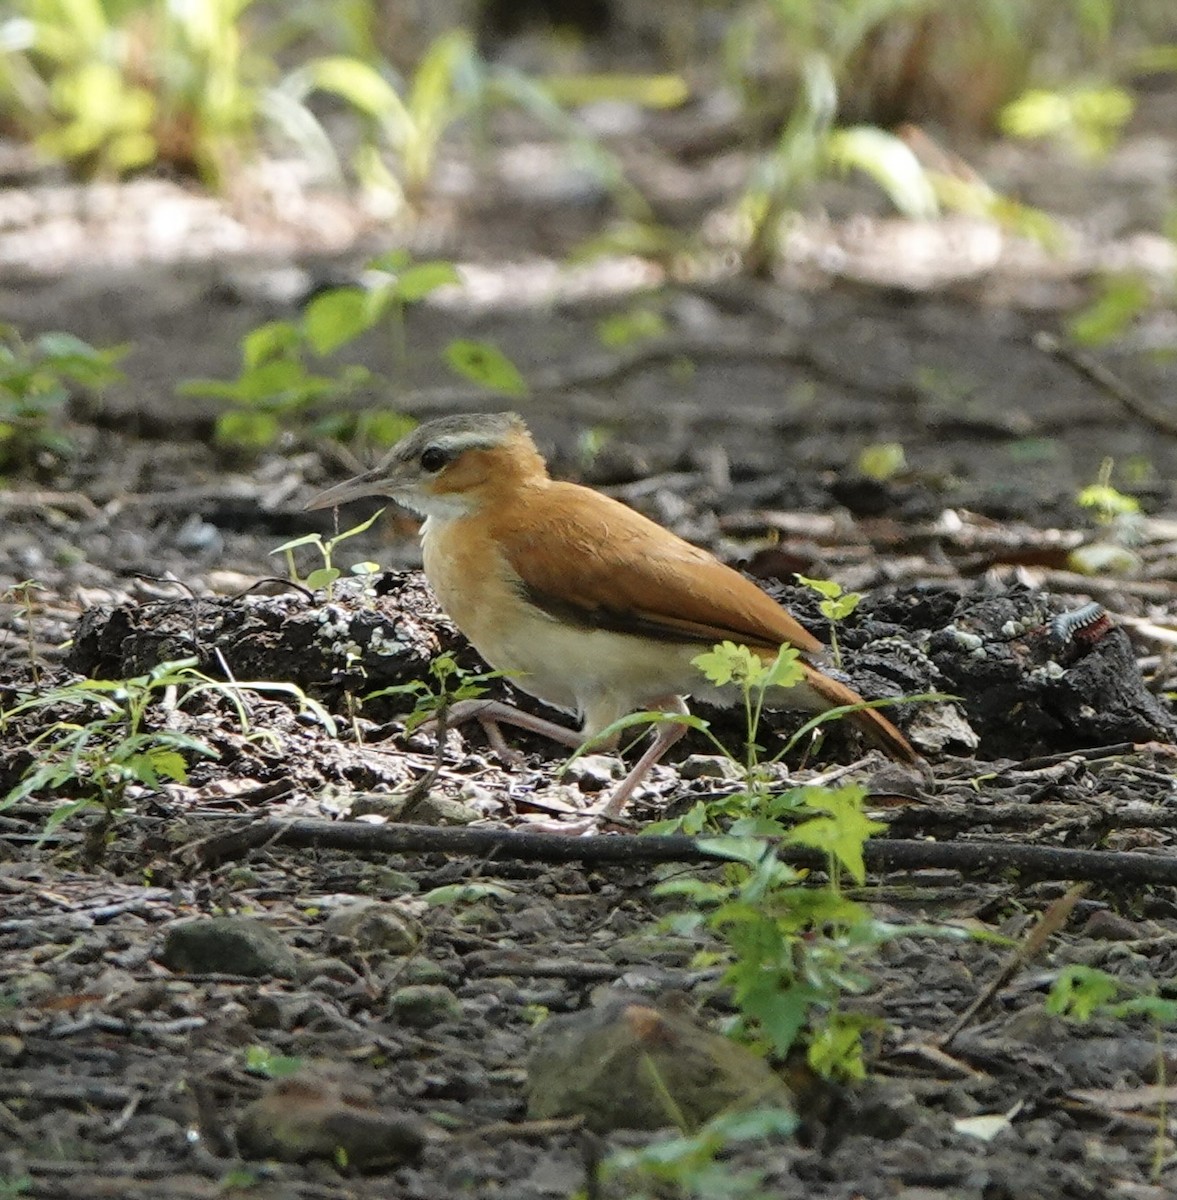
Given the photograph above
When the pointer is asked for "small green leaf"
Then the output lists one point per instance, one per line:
(170, 764)
(843, 833)
(307, 539)
(324, 577)
(416, 282)
(275, 339)
(337, 317)
(727, 663)
(465, 893)
(840, 608)
(261, 1061)
(487, 365)
(786, 670)
(823, 587)
(1080, 992)
(249, 430)
(882, 460)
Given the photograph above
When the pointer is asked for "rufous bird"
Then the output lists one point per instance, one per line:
(577, 598)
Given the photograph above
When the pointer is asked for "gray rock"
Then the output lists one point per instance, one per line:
(227, 945)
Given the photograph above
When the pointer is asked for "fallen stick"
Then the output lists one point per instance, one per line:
(992, 859)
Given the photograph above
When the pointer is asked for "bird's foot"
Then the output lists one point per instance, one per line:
(490, 714)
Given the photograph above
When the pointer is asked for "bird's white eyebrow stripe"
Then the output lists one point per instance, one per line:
(455, 443)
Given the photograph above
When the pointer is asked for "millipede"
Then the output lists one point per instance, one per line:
(1084, 625)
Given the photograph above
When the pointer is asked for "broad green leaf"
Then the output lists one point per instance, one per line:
(727, 663)
(170, 764)
(251, 430)
(275, 339)
(307, 539)
(322, 578)
(889, 161)
(462, 893)
(823, 587)
(416, 282)
(843, 833)
(337, 317)
(486, 365)
(882, 460)
(1080, 992)
(785, 671)
(1121, 301)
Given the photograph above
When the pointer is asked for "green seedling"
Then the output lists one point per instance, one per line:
(260, 1060)
(1082, 993)
(277, 392)
(882, 460)
(836, 605)
(274, 391)
(326, 575)
(451, 684)
(791, 951)
(1106, 502)
(22, 594)
(1090, 119)
(98, 758)
(35, 387)
(692, 1164)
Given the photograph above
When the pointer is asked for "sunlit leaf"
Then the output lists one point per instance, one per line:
(486, 365)
(882, 460)
(337, 317)
(889, 161)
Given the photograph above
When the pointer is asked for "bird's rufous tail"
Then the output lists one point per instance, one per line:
(868, 721)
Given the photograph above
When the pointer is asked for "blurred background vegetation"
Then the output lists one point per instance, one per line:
(367, 91)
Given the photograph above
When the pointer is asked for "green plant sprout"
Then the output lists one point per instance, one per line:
(452, 683)
(1106, 502)
(729, 663)
(692, 1163)
(101, 758)
(22, 595)
(326, 575)
(785, 976)
(836, 605)
(1088, 118)
(277, 392)
(34, 390)
(882, 460)
(1081, 993)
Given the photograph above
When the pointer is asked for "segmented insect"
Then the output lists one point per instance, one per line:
(1084, 625)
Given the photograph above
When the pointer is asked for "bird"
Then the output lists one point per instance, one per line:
(579, 599)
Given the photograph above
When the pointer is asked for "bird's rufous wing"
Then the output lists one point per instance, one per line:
(592, 560)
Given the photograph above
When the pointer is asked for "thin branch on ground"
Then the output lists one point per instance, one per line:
(1108, 382)
(992, 859)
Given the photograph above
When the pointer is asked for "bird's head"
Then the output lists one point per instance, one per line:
(448, 467)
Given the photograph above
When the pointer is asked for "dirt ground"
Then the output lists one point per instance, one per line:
(130, 1070)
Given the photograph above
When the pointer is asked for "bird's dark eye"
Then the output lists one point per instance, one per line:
(433, 458)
